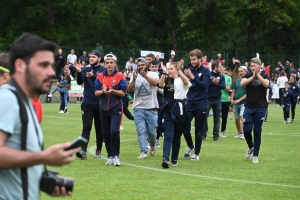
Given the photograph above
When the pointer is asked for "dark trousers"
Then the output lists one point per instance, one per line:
(199, 113)
(62, 103)
(126, 112)
(111, 121)
(216, 107)
(286, 111)
(172, 135)
(253, 118)
(90, 112)
(267, 113)
(293, 108)
(58, 70)
(225, 109)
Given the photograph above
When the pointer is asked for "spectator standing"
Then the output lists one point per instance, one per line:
(287, 69)
(110, 85)
(145, 106)
(59, 62)
(84, 58)
(90, 103)
(31, 60)
(281, 84)
(295, 93)
(71, 60)
(129, 63)
(196, 105)
(287, 96)
(256, 83)
(238, 97)
(225, 99)
(216, 84)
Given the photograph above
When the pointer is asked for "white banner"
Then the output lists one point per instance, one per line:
(76, 90)
(275, 90)
(155, 53)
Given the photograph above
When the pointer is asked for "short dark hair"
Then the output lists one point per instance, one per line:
(4, 60)
(154, 62)
(25, 48)
(214, 64)
(151, 55)
(228, 69)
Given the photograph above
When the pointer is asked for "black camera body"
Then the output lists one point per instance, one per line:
(50, 180)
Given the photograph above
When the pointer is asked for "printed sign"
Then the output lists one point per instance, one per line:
(155, 53)
(76, 90)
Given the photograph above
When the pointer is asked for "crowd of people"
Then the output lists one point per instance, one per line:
(166, 99)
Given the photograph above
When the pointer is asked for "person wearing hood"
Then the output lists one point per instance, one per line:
(110, 86)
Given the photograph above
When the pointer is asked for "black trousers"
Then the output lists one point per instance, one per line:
(293, 108)
(90, 112)
(225, 109)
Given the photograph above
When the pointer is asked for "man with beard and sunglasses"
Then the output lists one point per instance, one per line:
(90, 103)
(145, 106)
(21, 139)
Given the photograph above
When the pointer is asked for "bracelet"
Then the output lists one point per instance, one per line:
(164, 73)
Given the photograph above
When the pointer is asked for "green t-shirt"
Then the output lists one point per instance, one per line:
(225, 95)
(240, 91)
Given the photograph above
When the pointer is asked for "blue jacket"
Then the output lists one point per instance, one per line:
(115, 81)
(89, 91)
(214, 91)
(197, 94)
(289, 95)
(295, 91)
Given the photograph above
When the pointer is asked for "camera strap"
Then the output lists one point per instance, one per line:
(24, 120)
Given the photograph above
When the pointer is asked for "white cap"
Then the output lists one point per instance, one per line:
(244, 67)
(110, 56)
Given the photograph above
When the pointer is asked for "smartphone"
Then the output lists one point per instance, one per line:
(77, 143)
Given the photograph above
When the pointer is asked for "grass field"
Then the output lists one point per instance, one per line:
(221, 173)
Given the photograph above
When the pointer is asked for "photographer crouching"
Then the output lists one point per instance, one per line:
(22, 157)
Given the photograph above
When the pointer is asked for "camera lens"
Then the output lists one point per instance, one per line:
(65, 182)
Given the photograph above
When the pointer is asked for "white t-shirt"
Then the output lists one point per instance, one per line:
(180, 90)
(72, 58)
(281, 81)
(145, 93)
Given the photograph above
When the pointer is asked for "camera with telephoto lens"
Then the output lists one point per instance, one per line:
(50, 180)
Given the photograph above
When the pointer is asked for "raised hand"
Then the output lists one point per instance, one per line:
(78, 66)
(163, 67)
(89, 74)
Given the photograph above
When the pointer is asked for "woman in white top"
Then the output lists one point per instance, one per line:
(280, 82)
(175, 86)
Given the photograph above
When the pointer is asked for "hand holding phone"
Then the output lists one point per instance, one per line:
(77, 143)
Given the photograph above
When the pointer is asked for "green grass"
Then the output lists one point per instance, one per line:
(221, 173)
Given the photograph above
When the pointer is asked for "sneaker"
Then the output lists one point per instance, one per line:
(175, 163)
(238, 135)
(255, 159)
(285, 122)
(98, 154)
(189, 152)
(249, 154)
(143, 155)
(65, 110)
(165, 163)
(222, 134)
(117, 161)
(81, 154)
(152, 150)
(216, 139)
(292, 121)
(242, 137)
(110, 161)
(195, 157)
(157, 144)
(61, 111)
(121, 128)
(49, 95)
(77, 101)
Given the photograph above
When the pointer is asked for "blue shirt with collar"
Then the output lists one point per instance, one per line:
(197, 94)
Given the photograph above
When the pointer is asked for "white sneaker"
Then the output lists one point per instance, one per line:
(61, 111)
(65, 110)
(238, 135)
(152, 150)
(143, 155)
(49, 95)
(195, 157)
(188, 152)
(157, 144)
(255, 159)
(110, 161)
(121, 128)
(242, 137)
(285, 122)
(249, 154)
(222, 134)
(117, 161)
